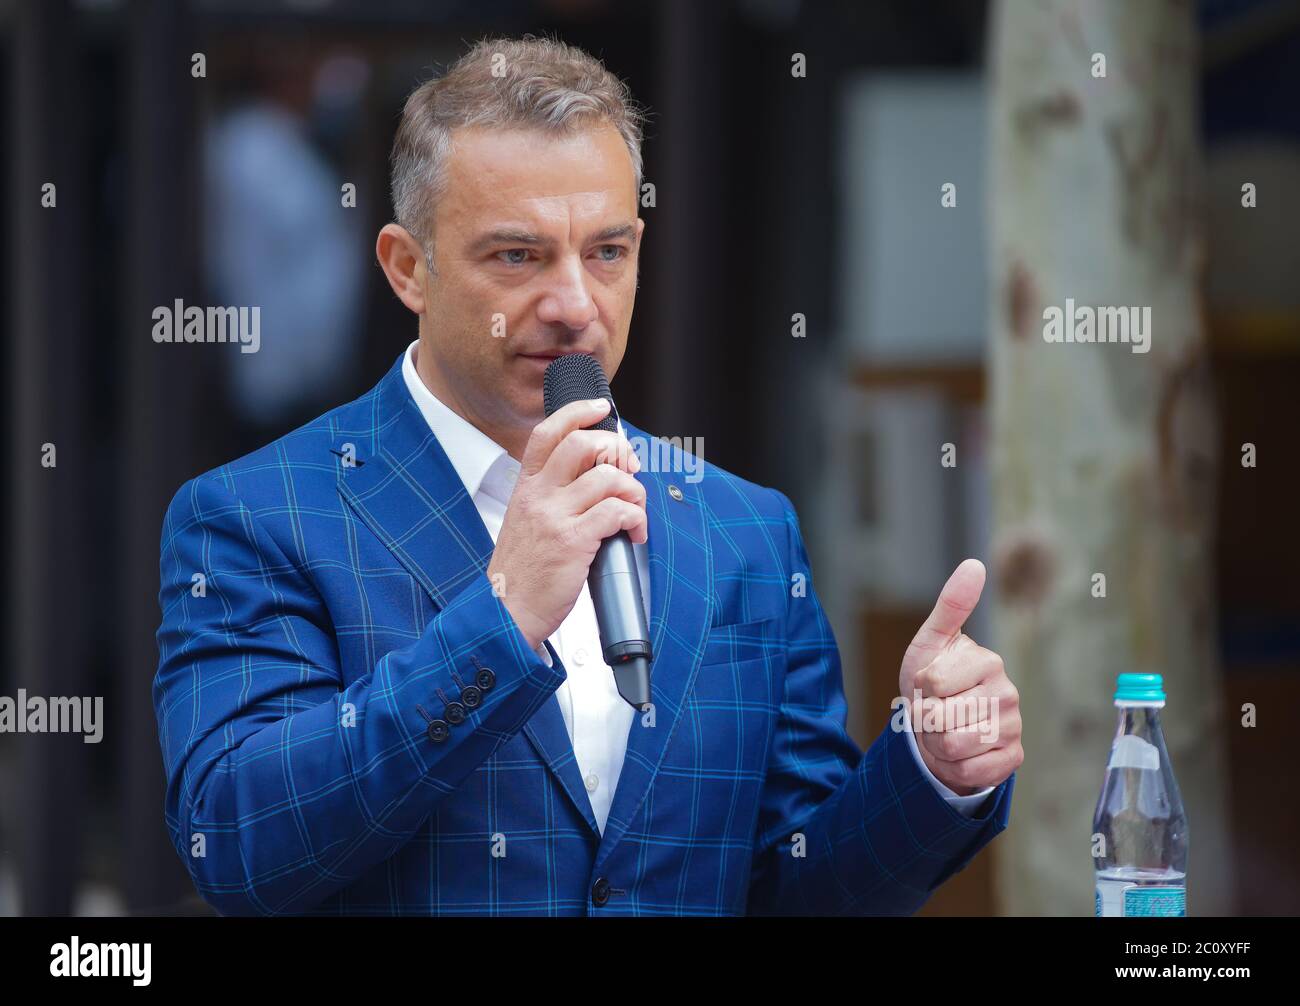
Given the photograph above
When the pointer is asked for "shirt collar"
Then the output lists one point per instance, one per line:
(482, 463)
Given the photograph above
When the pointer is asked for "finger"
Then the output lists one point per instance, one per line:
(601, 482)
(610, 516)
(989, 769)
(956, 601)
(970, 739)
(547, 434)
(958, 670)
(581, 450)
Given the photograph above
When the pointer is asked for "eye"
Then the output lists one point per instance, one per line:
(618, 250)
(509, 256)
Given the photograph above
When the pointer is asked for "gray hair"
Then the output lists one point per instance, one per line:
(526, 83)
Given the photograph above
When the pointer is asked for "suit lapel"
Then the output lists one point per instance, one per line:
(405, 489)
(681, 592)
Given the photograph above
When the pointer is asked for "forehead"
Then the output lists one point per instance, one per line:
(537, 174)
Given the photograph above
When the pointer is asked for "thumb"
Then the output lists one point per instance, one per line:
(956, 601)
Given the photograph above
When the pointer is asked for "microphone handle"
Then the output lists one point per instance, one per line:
(624, 636)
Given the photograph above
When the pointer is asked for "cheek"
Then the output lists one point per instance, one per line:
(615, 351)
(484, 318)
(615, 301)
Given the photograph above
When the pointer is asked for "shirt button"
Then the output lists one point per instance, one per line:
(580, 657)
(592, 782)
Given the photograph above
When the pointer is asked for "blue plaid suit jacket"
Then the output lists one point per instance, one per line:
(316, 613)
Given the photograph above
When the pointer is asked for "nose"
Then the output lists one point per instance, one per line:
(567, 300)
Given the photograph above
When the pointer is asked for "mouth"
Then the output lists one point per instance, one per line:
(545, 359)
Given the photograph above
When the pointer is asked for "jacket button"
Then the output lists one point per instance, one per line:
(454, 712)
(471, 697)
(485, 679)
(438, 731)
(600, 892)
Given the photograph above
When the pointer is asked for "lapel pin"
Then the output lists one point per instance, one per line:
(675, 493)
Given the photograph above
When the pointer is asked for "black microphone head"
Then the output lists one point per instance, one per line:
(577, 377)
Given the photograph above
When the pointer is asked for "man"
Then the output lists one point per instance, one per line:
(380, 687)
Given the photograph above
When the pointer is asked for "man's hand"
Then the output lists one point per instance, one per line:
(561, 509)
(967, 723)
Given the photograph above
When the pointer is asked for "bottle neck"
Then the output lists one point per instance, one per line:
(1139, 720)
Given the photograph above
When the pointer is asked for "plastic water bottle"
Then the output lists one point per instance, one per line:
(1139, 830)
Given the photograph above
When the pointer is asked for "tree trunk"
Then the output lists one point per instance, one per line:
(1103, 458)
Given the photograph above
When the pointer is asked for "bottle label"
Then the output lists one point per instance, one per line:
(1155, 901)
(1120, 899)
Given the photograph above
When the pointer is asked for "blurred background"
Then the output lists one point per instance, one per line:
(842, 261)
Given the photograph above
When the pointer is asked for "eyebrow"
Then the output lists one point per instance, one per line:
(520, 236)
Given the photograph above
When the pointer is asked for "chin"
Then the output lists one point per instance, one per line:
(528, 404)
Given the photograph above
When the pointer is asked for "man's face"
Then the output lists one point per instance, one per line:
(535, 241)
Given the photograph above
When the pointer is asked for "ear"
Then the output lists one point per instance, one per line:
(402, 259)
(640, 229)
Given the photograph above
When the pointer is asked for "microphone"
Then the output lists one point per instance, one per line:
(613, 581)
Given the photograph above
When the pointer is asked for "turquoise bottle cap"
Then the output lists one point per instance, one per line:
(1139, 688)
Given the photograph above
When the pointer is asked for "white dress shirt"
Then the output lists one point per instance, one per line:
(596, 716)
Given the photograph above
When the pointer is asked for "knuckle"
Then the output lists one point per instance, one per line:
(618, 482)
(539, 440)
(609, 449)
(569, 533)
(961, 773)
(578, 440)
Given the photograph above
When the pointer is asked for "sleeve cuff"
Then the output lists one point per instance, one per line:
(965, 805)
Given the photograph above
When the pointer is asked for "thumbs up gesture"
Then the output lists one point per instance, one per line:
(965, 711)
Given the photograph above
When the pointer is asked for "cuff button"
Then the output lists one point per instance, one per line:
(485, 678)
(438, 731)
(454, 712)
(471, 697)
